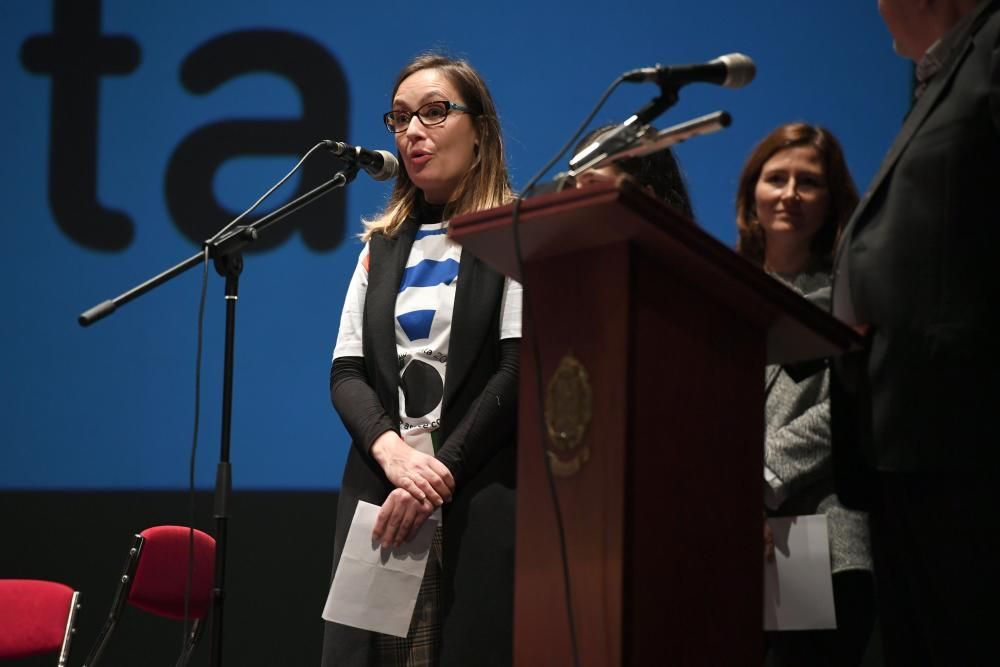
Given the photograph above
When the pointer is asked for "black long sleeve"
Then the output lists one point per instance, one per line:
(357, 403)
(491, 421)
(489, 424)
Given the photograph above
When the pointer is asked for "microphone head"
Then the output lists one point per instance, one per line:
(390, 166)
(740, 69)
(338, 148)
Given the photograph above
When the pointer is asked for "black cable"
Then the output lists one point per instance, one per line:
(572, 141)
(194, 452)
(529, 316)
(267, 194)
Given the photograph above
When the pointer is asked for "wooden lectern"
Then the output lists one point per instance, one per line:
(660, 334)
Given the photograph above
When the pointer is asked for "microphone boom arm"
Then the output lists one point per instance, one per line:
(229, 244)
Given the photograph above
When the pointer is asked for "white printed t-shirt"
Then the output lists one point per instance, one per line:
(423, 317)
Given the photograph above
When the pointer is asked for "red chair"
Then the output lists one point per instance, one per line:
(154, 579)
(36, 617)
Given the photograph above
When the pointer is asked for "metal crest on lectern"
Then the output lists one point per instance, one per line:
(568, 410)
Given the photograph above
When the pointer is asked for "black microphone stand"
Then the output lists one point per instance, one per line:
(629, 132)
(656, 106)
(228, 260)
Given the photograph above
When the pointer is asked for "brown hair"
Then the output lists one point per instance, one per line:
(487, 183)
(843, 194)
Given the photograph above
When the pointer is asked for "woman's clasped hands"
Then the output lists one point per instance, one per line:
(422, 485)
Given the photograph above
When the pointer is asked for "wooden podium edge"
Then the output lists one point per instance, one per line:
(799, 329)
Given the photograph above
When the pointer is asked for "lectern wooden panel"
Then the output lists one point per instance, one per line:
(662, 514)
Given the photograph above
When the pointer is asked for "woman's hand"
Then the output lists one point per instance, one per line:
(400, 518)
(422, 476)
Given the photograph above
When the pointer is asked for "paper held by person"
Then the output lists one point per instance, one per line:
(376, 589)
(798, 586)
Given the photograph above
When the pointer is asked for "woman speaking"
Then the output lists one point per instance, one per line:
(424, 378)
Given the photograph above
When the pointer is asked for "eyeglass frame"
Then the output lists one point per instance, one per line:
(449, 106)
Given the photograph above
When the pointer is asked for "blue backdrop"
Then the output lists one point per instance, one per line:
(133, 129)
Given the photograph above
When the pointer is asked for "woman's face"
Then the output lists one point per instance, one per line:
(437, 157)
(792, 198)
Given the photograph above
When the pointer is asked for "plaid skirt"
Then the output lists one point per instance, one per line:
(422, 645)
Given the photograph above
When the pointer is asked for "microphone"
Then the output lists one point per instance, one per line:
(649, 141)
(380, 165)
(613, 141)
(733, 70)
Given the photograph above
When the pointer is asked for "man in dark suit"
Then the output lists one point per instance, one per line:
(915, 415)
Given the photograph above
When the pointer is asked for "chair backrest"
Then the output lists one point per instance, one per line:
(155, 579)
(161, 577)
(36, 617)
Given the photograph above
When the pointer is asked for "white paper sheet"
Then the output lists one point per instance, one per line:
(376, 589)
(798, 588)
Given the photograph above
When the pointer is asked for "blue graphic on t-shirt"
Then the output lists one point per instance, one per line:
(429, 273)
(430, 232)
(417, 324)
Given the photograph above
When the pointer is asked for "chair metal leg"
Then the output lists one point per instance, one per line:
(74, 607)
(121, 597)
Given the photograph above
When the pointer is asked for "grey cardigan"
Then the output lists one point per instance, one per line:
(797, 452)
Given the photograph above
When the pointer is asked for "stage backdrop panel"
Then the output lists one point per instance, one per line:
(133, 130)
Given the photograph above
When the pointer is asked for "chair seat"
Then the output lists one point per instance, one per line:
(34, 615)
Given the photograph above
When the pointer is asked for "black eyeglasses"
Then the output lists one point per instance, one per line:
(432, 113)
